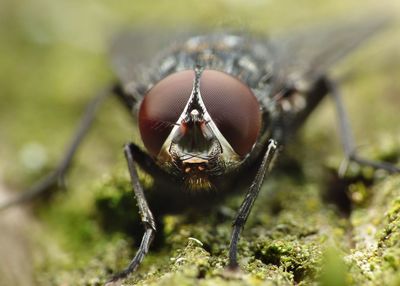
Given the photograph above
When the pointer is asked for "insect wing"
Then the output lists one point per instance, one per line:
(133, 52)
(305, 55)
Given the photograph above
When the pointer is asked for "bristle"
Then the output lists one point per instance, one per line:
(196, 183)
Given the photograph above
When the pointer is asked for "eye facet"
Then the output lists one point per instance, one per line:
(161, 108)
(233, 108)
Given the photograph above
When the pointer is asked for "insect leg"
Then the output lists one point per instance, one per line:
(145, 215)
(347, 137)
(248, 202)
(56, 175)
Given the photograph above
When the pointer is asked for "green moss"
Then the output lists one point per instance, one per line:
(293, 236)
(375, 258)
(334, 271)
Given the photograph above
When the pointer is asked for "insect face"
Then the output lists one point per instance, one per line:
(199, 123)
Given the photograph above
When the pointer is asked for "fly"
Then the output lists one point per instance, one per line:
(219, 104)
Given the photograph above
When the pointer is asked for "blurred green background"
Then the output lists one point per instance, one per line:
(53, 59)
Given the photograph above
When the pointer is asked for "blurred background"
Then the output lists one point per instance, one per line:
(54, 58)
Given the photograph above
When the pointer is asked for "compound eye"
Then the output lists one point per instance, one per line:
(233, 108)
(161, 108)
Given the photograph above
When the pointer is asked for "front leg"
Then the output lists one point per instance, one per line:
(145, 215)
(248, 202)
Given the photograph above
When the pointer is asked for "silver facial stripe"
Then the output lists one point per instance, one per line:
(196, 107)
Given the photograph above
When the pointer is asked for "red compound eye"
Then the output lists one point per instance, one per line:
(233, 107)
(161, 108)
(230, 103)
